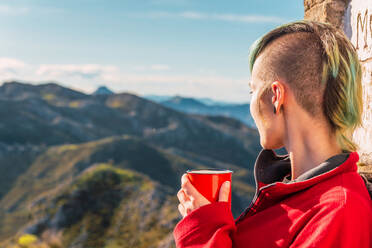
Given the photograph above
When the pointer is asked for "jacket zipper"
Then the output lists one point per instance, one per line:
(256, 196)
(254, 200)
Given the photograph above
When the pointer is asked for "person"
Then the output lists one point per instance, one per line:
(306, 97)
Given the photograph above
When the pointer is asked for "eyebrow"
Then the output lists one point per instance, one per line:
(250, 84)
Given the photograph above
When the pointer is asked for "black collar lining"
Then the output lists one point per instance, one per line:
(271, 168)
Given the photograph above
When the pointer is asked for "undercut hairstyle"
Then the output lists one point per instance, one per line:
(321, 67)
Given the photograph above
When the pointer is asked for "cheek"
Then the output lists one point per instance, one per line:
(257, 116)
(269, 126)
(254, 111)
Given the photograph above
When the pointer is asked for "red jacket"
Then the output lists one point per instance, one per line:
(328, 206)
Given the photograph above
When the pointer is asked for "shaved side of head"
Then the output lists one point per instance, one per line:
(296, 60)
(321, 67)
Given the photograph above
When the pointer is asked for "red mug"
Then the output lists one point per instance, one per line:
(208, 182)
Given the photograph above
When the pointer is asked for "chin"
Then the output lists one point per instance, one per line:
(271, 144)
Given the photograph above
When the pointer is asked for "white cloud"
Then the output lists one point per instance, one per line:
(88, 71)
(10, 67)
(10, 63)
(193, 15)
(160, 67)
(154, 80)
(227, 17)
(12, 10)
(156, 67)
(168, 2)
(216, 87)
(139, 68)
(248, 18)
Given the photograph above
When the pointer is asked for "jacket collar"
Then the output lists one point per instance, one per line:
(272, 175)
(271, 168)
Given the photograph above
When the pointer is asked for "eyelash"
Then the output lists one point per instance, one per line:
(251, 92)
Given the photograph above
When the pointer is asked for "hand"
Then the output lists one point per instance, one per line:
(190, 199)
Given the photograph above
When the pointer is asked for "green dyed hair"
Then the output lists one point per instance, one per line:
(317, 59)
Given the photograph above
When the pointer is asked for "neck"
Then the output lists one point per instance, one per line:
(308, 145)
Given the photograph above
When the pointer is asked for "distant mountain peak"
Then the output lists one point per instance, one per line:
(103, 90)
(184, 101)
(17, 90)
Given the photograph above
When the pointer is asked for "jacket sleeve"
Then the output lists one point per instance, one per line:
(342, 226)
(209, 226)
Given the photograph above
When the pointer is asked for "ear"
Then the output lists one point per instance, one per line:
(278, 90)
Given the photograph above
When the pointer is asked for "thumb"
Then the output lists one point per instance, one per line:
(224, 192)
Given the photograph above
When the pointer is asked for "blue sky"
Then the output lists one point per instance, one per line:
(194, 48)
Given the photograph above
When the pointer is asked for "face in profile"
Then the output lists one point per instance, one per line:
(270, 126)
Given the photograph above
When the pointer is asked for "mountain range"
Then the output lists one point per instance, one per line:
(103, 170)
(205, 106)
(204, 100)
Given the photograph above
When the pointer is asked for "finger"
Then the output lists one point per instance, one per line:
(182, 197)
(189, 189)
(181, 209)
(188, 207)
(193, 197)
(184, 179)
(224, 192)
